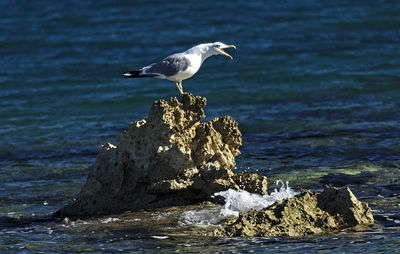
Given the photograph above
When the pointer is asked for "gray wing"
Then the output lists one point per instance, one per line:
(169, 66)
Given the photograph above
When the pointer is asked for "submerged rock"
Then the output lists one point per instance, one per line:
(308, 213)
(169, 158)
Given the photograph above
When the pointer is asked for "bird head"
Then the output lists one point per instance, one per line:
(219, 47)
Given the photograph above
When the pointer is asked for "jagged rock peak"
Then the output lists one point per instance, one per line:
(169, 158)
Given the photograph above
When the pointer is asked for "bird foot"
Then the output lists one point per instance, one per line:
(179, 86)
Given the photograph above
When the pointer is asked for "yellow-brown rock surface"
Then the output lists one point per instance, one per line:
(169, 158)
(306, 214)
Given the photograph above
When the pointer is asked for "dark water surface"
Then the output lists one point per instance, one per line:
(314, 85)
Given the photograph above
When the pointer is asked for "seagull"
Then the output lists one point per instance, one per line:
(181, 66)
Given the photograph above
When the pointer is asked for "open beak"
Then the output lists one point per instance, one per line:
(224, 53)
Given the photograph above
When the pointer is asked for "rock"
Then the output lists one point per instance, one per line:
(169, 158)
(172, 159)
(308, 213)
(253, 183)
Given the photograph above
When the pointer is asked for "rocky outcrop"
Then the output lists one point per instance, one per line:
(169, 158)
(172, 159)
(253, 183)
(306, 214)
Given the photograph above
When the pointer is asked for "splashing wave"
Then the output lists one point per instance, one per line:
(237, 202)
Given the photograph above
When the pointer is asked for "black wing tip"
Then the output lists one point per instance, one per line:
(126, 74)
(132, 74)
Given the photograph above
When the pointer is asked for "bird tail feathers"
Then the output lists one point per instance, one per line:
(136, 74)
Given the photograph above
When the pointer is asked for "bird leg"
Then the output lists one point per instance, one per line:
(181, 90)
(179, 86)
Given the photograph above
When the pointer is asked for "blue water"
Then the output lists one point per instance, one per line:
(314, 85)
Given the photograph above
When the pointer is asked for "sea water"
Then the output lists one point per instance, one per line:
(313, 85)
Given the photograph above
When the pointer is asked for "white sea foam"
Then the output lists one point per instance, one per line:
(202, 217)
(159, 237)
(237, 202)
(108, 220)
